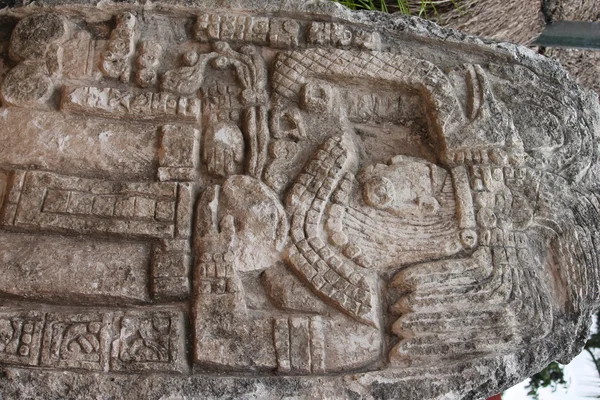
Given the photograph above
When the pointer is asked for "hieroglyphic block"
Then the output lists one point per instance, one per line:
(79, 341)
(97, 341)
(179, 153)
(284, 33)
(114, 103)
(148, 341)
(170, 270)
(20, 337)
(231, 27)
(281, 32)
(339, 35)
(59, 203)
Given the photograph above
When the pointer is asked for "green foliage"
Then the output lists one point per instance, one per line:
(592, 346)
(422, 8)
(552, 376)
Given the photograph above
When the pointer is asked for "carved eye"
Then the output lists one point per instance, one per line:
(220, 62)
(316, 97)
(379, 192)
(190, 58)
(247, 50)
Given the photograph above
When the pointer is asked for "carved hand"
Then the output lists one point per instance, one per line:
(449, 311)
(223, 149)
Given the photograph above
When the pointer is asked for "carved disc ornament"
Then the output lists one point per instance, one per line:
(286, 201)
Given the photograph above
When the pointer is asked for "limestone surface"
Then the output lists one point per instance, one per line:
(286, 200)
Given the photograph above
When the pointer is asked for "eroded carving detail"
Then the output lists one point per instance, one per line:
(54, 202)
(148, 59)
(77, 341)
(149, 341)
(20, 336)
(125, 104)
(179, 153)
(120, 48)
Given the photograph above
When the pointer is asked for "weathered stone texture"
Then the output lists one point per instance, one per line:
(216, 200)
(514, 21)
(522, 22)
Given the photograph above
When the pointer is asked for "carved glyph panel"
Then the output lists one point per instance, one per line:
(267, 202)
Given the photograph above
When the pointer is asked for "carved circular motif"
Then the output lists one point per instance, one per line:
(190, 58)
(146, 77)
(26, 84)
(33, 34)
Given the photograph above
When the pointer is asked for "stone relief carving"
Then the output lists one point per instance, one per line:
(288, 199)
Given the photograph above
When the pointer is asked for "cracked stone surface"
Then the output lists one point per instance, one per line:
(215, 200)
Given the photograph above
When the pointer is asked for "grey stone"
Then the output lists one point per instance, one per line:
(286, 200)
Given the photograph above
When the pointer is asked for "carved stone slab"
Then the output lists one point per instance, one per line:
(286, 200)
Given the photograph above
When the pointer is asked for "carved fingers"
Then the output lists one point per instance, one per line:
(220, 243)
(453, 308)
(451, 333)
(222, 161)
(447, 273)
(224, 149)
(433, 347)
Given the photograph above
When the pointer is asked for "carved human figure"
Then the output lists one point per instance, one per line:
(329, 279)
(364, 217)
(241, 228)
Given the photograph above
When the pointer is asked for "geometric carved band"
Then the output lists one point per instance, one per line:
(67, 204)
(98, 341)
(144, 106)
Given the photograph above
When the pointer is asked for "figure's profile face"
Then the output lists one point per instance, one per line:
(404, 186)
